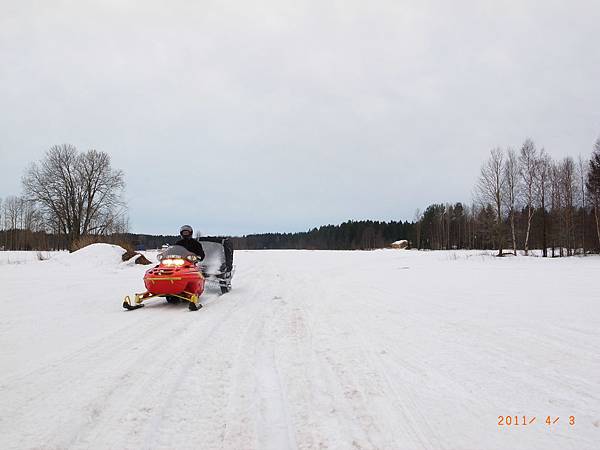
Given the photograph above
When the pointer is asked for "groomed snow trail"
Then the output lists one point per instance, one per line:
(311, 350)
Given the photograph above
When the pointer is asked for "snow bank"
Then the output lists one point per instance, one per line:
(95, 254)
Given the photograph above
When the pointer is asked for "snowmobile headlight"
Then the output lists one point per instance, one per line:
(192, 258)
(173, 262)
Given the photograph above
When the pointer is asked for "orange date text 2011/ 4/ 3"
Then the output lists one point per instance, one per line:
(512, 421)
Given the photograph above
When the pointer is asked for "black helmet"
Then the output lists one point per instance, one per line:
(186, 231)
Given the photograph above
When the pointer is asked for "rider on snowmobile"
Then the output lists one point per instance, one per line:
(189, 242)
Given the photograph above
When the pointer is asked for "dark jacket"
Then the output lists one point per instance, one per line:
(192, 245)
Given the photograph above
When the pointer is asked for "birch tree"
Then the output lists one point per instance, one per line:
(556, 207)
(582, 170)
(418, 217)
(511, 179)
(543, 181)
(490, 189)
(527, 170)
(567, 185)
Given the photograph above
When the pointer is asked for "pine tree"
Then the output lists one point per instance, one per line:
(593, 185)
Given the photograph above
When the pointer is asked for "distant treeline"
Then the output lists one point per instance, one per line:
(523, 200)
(22, 239)
(447, 227)
(350, 235)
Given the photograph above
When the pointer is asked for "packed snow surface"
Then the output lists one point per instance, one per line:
(96, 254)
(311, 350)
(23, 257)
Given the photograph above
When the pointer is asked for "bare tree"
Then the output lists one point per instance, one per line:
(32, 219)
(11, 222)
(11, 212)
(556, 206)
(418, 217)
(448, 209)
(490, 189)
(527, 170)
(567, 171)
(543, 181)
(582, 170)
(472, 217)
(511, 179)
(79, 192)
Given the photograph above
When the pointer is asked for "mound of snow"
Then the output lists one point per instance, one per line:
(96, 254)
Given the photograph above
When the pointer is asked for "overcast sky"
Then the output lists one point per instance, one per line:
(241, 117)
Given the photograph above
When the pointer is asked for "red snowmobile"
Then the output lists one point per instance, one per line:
(176, 277)
(180, 276)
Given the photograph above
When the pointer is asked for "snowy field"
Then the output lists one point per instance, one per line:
(312, 350)
(22, 257)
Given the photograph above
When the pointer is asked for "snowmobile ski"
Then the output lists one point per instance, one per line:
(128, 306)
(194, 307)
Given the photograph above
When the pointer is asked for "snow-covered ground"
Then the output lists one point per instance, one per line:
(22, 257)
(339, 350)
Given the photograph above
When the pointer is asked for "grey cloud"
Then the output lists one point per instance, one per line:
(288, 115)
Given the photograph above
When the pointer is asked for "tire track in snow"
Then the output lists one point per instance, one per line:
(193, 399)
(360, 387)
(116, 374)
(257, 407)
(358, 395)
(416, 421)
(273, 432)
(157, 391)
(98, 396)
(54, 370)
(411, 419)
(136, 403)
(180, 376)
(322, 410)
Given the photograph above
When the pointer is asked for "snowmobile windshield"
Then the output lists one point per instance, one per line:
(176, 251)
